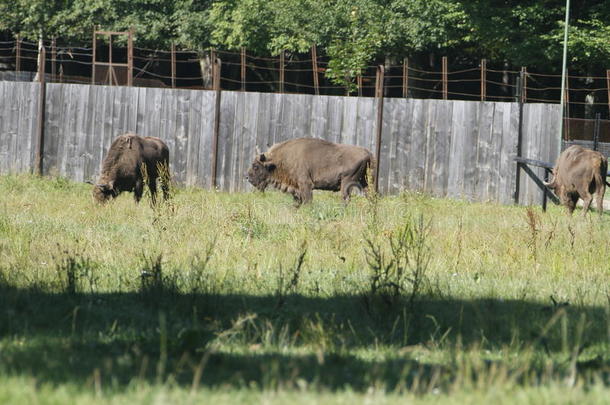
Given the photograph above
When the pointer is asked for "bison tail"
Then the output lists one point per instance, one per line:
(601, 172)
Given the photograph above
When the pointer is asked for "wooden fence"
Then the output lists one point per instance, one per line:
(460, 149)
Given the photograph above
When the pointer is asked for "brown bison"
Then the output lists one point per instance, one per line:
(301, 165)
(122, 169)
(580, 173)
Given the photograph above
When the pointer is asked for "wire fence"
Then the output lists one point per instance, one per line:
(586, 96)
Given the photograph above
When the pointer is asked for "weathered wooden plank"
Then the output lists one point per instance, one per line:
(266, 107)
(471, 144)
(205, 154)
(276, 125)
(319, 116)
(455, 186)
(4, 116)
(387, 148)
(192, 138)
(249, 136)
(509, 147)
(365, 128)
(416, 131)
(302, 105)
(418, 152)
(335, 119)
(237, 137)
(225, 141)
(180, 131)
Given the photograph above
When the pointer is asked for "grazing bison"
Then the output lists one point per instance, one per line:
(580, 173)
(301, 165)
(122, 167)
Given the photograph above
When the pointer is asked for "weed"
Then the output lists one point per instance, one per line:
(533, 222)
(199, 275)
(72, 268)
(153, 284)
(401, 261)
(249, 224)
(289, 286)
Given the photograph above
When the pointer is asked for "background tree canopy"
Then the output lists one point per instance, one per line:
(353, 33)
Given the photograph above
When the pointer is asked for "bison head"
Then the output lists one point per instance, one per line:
(102, 192)
(259, 173)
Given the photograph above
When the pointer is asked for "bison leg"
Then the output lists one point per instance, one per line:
(570, 202)
(306, 191)
(587, 199)
(600, 199)
(152, 186)
(138, 190)
(346, 188)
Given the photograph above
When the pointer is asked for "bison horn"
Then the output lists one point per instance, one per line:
(549, 184)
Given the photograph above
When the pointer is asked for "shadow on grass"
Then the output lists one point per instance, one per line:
(240, 340)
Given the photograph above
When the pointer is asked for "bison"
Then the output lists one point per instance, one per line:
(299, 166)
(130, 157)
(580, 173)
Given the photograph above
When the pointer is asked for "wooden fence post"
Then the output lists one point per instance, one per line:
(519, 139)
(379, 122)
(445, 81)
(359, 84)
(524, 84)
(314, 62)
(483, 79)
(18, 53)
(130, 57)
(93, 56)
(38, 160)
(243, 68)
(405, 77)
(53, 59)
(608, 86)
(216, 63)
(213, 62)
(282, 71)
(173, 63)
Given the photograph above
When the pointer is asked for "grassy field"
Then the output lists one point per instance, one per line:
(242, 298)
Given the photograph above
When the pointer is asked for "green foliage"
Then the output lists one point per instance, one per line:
(354, 33)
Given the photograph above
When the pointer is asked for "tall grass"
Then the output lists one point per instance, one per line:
(243, 296)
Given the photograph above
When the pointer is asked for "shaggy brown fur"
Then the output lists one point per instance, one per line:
(122, 167)
(580, 173)
(301, 165)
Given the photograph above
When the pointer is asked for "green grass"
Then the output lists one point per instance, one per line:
(242, 298)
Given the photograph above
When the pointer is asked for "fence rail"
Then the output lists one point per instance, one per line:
(460, 149)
